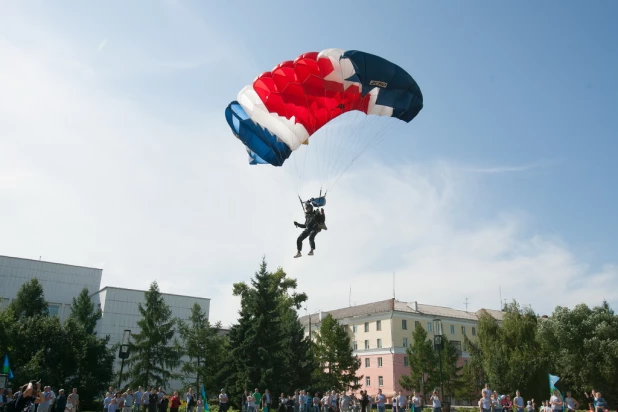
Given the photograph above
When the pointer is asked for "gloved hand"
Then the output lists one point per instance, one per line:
(296, 224)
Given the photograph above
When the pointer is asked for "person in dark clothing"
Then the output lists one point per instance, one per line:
(314, 222)
(61, 401)
(364, 401)
(153, 401)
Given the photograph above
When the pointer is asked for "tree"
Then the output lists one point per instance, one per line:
(30, 300)
(299, 362)
(83, 311)
(450, 370)
(582, 345)
(473, 376)
(511, 354)
(422, 360)
(153, 357)
(337, 364)
(260, 354)
(42, 347)
(93, 361)
(205, 347)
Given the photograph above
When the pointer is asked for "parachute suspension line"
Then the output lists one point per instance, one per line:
(346, 155)
(372, 142)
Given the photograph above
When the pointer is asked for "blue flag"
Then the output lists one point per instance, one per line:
(552, 382)
(204, 399)
(6, 367)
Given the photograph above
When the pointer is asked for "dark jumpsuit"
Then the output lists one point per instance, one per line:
(311, 230)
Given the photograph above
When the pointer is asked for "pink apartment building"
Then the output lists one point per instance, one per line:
(381, 332)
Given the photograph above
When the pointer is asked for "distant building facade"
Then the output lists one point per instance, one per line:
(61, 283)
(382, 331)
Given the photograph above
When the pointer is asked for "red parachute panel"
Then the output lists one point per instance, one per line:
(298, 89)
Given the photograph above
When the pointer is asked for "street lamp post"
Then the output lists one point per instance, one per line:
(437, 341)
(123, 352)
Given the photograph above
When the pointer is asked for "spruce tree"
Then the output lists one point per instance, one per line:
(450, 371)
(337, 365)
(422, 360)
(30, 300)
(261, 355)
(83, 311)
(153, 355)
(299, 364)
(206, 350)
(473, 376)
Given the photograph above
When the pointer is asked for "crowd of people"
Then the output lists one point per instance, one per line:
(303, 401)
(30, 398)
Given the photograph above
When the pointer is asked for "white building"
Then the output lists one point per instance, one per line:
(120, 309)
(61, 283)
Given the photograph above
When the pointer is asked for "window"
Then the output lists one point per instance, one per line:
(366, 326)
(457, 345)
(379, 343)
(378, 325)
(354, 328)
(452, 329)
(366, 344)
(355, 345)
(416, 323)
(367, 362)
(53, 310)
(380, 362)
(367, 381)
(429, 327)
(406, 362)
(463, 330)
(404, 324)
(380, 381)
(473, 331)
(465, 347)
(405, 342)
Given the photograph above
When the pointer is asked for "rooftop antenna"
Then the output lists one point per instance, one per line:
(500, 307)
(466, 303)
(350, 297)
(393, 285)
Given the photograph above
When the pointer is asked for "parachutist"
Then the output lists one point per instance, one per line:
(315, 221)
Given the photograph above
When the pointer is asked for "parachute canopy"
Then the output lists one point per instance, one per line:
(283, 108)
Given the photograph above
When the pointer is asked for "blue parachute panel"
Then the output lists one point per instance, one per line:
(254, 159)
(263, 146)
(397, 88)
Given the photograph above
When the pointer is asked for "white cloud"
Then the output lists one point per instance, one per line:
(89, 178)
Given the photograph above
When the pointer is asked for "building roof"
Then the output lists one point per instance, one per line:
(51, 263)
(389, 305)
(143, 291)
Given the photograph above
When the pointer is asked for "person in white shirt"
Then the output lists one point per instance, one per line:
(435, 402)
(381, 401)
(250, 403)
(416, 402)
(556, 401)
(344, 402)
(571, 403)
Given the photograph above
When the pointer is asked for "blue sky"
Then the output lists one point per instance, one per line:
(514, 144)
